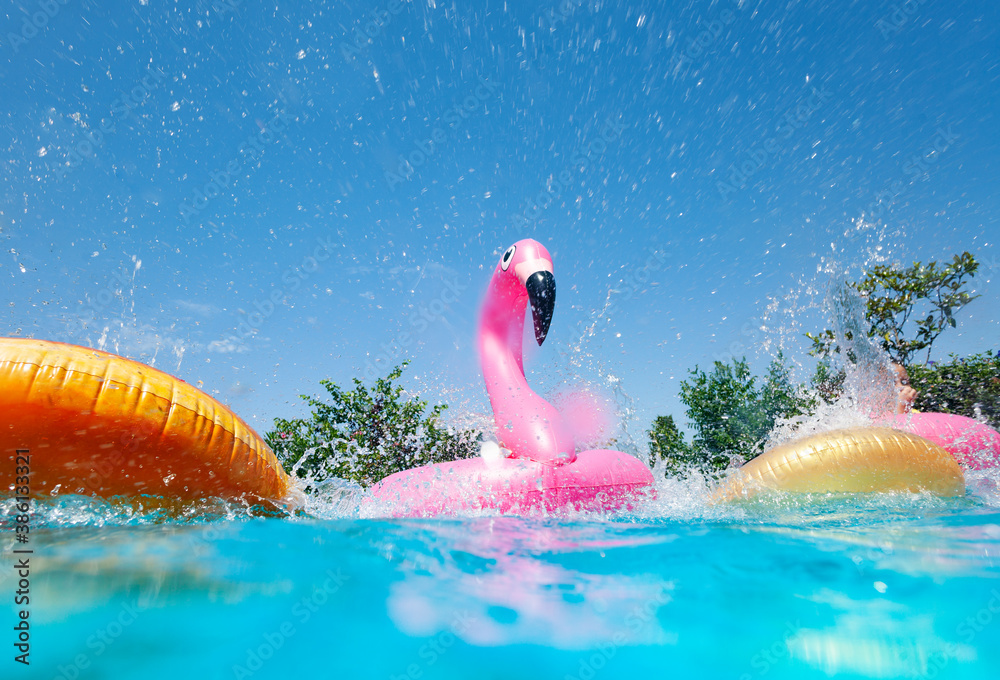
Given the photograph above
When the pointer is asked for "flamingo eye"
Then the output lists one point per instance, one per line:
(507, 257)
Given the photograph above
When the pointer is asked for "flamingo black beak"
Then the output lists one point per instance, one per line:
(542, 294)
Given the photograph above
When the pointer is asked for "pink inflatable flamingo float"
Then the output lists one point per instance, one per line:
(974, 445)
(544, 470)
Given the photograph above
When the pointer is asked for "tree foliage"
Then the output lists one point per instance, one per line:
(732, 410)
(666, 443)
(366, 434)
(907, 309)
(827, 382)
(967, 386)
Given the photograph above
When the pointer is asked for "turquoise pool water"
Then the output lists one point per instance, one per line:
(881, 586)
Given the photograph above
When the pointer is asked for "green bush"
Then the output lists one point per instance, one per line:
(827, 382)
(731, 411)
(666, 443)
(367, 434)
(961, 385)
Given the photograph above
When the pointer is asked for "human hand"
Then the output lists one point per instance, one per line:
(904, 402)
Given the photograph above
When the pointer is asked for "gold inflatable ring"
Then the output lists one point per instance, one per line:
(849, 461)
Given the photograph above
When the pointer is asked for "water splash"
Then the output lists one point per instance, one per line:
(869, 390)
(72, 510)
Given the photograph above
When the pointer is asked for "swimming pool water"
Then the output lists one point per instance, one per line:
(881, 586)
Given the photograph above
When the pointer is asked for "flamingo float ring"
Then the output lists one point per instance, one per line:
(544, 470)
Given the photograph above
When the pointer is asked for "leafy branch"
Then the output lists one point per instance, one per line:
(365, 434)
(896, 301)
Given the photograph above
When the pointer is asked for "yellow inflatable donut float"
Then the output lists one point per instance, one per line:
(849, 461)
(95, 423)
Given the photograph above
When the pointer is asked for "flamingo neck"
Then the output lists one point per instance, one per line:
(526, 424)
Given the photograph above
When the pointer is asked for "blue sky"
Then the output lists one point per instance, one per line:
(257, 199)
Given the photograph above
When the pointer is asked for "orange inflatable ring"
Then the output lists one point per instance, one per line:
(95, 423)
(849, 461)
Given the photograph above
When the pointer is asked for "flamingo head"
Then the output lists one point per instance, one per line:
(526, 267)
